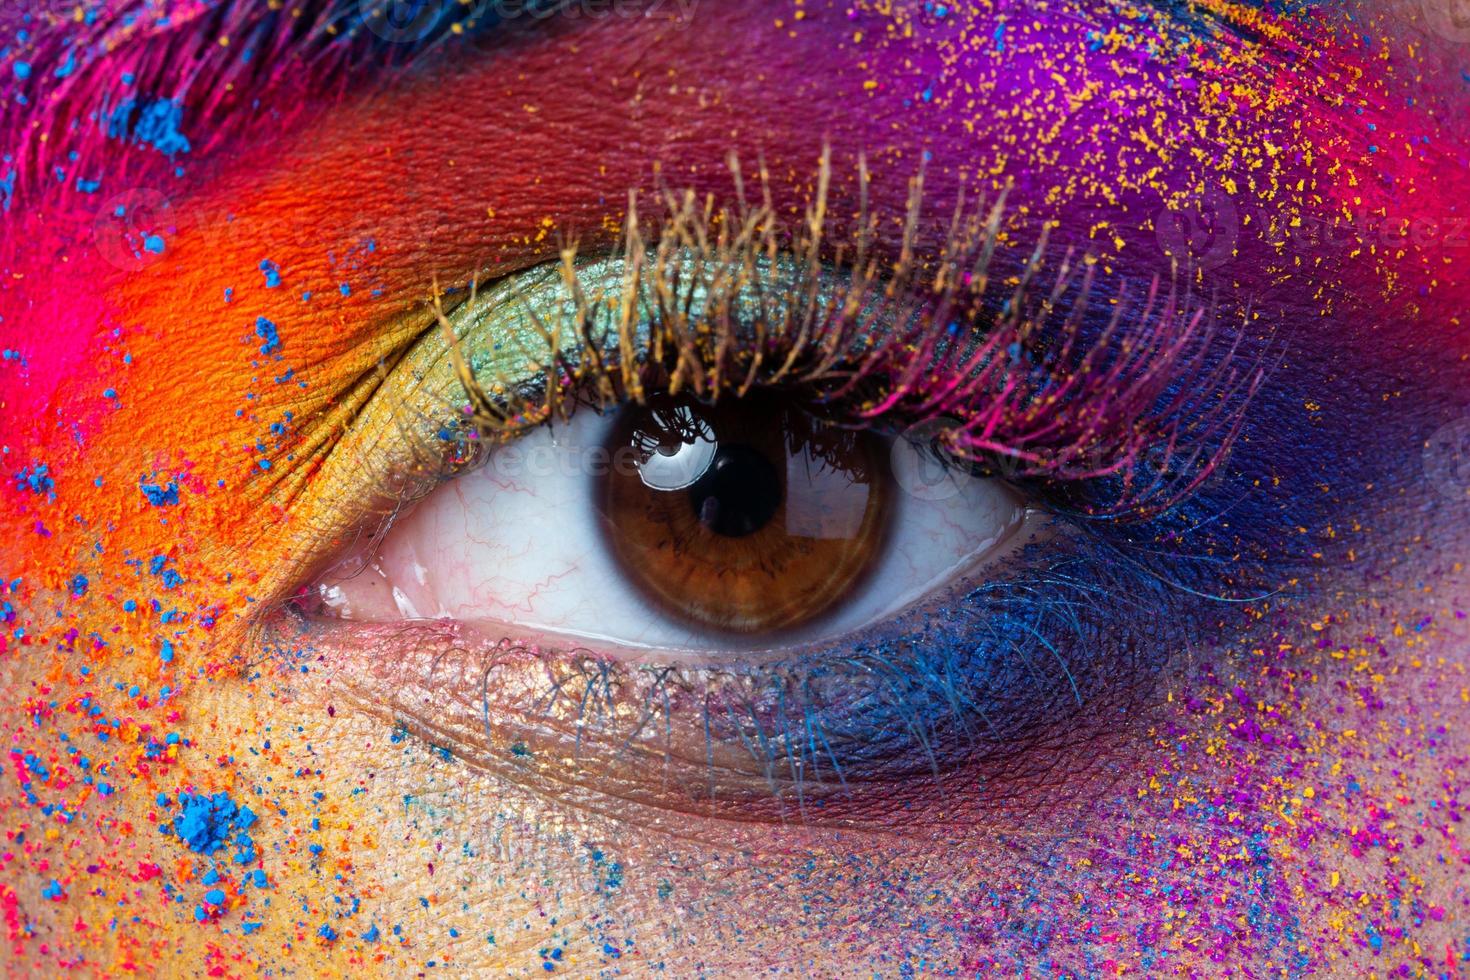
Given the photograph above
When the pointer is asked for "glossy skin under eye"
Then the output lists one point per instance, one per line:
(1225, 739)
(524, 543)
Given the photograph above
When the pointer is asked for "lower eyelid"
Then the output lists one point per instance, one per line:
(1014, 680)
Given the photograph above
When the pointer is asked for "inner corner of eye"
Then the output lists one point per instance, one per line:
(676, 524)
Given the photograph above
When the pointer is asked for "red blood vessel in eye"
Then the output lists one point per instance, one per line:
(750, 516)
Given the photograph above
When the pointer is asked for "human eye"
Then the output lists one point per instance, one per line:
(682, 528)
(792, 528)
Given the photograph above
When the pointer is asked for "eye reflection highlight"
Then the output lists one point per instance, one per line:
(748, 516)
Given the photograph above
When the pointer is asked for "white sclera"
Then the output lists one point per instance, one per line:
(519, 543)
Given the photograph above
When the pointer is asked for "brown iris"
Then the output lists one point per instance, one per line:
(749, 516)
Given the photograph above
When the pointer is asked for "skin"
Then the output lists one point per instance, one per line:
(1283, 801)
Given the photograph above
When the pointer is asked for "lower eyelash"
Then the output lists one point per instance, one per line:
(1012, 682)
(1140, 398)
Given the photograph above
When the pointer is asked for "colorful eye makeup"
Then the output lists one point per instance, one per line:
(736, 470)
(737, 503)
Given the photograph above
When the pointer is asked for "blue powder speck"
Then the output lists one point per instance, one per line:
(160, 494)
(207, 823)
(156, 124)
(266, 331)
(36, 479)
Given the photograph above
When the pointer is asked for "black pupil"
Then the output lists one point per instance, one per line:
(738, 494)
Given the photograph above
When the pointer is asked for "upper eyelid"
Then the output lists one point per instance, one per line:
(1146, 365)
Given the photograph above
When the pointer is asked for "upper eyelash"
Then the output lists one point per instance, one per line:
(1143, 403)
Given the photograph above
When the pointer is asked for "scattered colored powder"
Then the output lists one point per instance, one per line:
(266, 331)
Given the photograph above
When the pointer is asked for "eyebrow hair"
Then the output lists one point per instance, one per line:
(131, 77)
(109, 91)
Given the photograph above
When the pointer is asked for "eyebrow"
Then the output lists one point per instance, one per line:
(74, 87)
(102, 87)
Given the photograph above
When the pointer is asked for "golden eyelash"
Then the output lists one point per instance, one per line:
(1031, 382)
